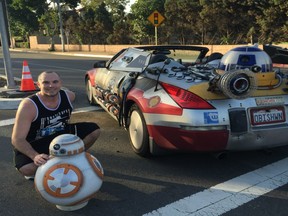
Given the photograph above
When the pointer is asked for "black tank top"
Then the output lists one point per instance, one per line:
(49, 121)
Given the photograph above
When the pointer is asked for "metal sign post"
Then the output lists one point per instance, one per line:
(156, 36)
(6, 53)
(61, 26)
(156, 19)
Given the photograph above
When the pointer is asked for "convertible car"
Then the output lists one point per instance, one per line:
(179, 98)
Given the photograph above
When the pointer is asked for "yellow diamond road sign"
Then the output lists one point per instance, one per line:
(156, 18)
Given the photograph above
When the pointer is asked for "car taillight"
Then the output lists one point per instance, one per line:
(186, 99)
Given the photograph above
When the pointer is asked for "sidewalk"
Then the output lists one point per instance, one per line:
(10, 98)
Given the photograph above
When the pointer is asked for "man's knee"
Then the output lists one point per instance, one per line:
(28, 169)
(96, 133)
(91, 138)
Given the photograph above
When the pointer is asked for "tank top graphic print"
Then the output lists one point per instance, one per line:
(49, 121)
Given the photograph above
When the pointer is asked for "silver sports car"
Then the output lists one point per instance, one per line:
(178, 98)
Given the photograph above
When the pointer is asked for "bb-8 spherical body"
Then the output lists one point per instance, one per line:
(71, 177)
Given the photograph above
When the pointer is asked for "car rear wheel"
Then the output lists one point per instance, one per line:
(138, 132)
(89, 92)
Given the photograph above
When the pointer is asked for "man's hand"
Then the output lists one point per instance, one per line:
(40, 159)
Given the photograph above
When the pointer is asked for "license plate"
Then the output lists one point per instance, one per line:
(270, 115)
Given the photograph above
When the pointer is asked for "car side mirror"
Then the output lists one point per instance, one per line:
(100, 64)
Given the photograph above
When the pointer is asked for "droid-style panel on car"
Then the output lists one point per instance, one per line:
(246, 57)
(131, 60)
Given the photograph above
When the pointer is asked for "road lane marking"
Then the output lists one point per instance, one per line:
(231, 194)
(7, 122)
(87, 109)
(223, 197)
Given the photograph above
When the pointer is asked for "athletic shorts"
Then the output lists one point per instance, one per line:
(81, 129)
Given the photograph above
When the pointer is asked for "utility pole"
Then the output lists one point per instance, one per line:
(61, 26)
(5, 50)
(8, 29)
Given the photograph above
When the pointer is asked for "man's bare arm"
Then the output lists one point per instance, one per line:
(25, 114)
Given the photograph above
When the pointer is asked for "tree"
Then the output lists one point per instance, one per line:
(186, 21)
(94, 25)
(70, 21)
(49, 24)
(120, 34)
(228, 21)
(85, 26)
(26, 16)
(103, 24)
(273, 21)
(143, 30)
(91, 3)
(23, 16)
(183, 21)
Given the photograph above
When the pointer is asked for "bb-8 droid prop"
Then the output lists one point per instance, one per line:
(71, 177)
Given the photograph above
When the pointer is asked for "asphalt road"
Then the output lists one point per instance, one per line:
(134, 185)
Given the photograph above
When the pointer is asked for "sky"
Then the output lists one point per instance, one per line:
(129, 4)
(132, 2)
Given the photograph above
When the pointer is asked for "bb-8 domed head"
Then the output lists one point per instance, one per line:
(246, 57)
(65, 145)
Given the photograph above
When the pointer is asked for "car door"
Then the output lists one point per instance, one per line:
(130, 61)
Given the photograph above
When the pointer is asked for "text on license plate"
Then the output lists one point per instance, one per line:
(267, 116)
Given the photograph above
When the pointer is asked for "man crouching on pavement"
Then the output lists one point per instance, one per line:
(40, 118)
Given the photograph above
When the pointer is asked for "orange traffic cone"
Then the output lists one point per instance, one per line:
(27, 83)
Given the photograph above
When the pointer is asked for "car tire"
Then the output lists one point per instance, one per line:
(138, 133)
(89, 92)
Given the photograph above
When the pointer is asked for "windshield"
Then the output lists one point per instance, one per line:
(137, 58)
(131, 60)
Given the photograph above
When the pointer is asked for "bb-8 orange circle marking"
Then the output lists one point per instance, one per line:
(93, 162)
(62, 186)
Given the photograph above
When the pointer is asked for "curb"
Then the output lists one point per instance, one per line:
(9, 103)
(64, 53)
(12, 103)
(11, 98)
